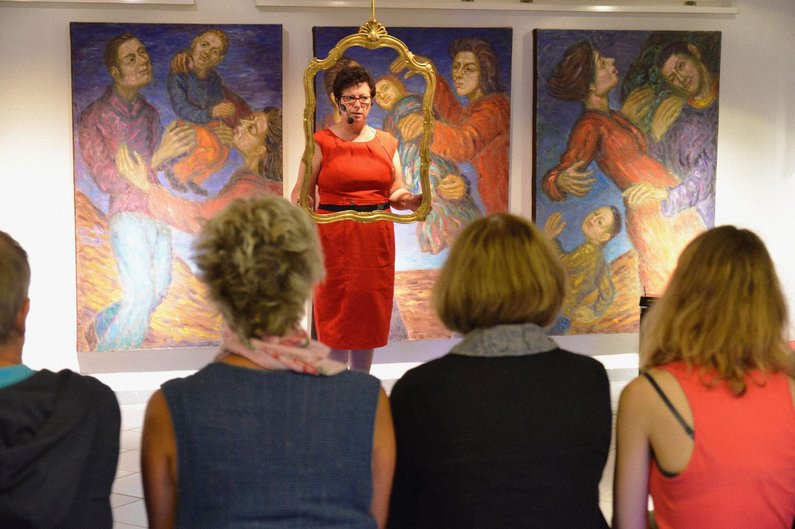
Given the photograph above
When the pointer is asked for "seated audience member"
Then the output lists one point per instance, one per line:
(59, 432)
(709, 426)
(273, 433)
(507, 430)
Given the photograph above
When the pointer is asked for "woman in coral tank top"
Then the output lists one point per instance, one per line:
(355, 167)
(709, 427)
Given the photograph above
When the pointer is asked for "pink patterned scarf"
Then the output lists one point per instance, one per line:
(293, 352)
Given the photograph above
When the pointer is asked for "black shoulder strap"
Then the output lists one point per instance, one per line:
(688, 429)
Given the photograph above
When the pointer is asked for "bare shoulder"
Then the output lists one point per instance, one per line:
(157, 414)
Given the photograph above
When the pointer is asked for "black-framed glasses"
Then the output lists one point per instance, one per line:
(349, 100)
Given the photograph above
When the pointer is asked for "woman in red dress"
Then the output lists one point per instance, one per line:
(355, 167)
(620, 150)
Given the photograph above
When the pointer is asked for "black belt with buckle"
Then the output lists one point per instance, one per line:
(354, 207)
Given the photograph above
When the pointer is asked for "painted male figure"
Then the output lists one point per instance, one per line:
(684, 130)
(121, 125)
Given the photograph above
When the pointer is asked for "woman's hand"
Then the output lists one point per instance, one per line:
(403, 199)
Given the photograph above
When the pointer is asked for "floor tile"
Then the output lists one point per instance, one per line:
(117, 500)
(131, 439)
(129, 486)
(132, 514)
(130, 461)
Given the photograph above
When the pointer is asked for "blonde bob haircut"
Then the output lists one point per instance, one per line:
(722, 311)
(501, 270)
(260, 258)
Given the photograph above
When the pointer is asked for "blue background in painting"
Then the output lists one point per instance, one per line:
(432, 43)
(252, 68)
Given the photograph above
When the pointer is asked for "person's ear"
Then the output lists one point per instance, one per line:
(22, 316)
(115, 73)
(694, 51)
(261, 151)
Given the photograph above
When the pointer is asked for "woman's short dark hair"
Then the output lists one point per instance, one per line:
(352, 76)
(574, 73)
(331, 73)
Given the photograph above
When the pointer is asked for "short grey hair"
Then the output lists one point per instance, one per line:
(14, 283)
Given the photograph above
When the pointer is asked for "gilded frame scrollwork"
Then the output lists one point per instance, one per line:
(371, 35)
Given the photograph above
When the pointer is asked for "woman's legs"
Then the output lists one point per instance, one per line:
(358, 359)
(361, 359)
(341, 355)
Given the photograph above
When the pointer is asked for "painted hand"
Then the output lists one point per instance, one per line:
(181, 62)
(554, 225)
(410, 126)
(452, 187)
(574, 180)
(640, 194)
(132, 166)
(177, 140)
(665, 116)
(638, 104)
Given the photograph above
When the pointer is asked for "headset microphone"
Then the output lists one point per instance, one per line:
(350, 118)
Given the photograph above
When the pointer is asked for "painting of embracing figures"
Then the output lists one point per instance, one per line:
(171, 122)
(626, 129)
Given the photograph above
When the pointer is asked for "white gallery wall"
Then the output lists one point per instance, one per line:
(756, 160)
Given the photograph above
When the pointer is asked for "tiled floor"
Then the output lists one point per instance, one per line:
(127, 497)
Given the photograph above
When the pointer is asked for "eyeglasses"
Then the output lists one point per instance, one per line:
(349, 100)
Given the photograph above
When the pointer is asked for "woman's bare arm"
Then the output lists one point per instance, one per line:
(383, 460)
(159, 464)
(633, 456)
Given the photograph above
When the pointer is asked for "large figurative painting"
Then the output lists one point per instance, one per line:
(469, 149)
(626, 127)
(171, 122)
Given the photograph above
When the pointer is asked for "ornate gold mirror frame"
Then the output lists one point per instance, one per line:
(371, 35)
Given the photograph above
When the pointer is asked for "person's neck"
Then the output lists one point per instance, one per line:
(127, 93)
(475, 95)
(252, 163)
(201, 73)
(708, 93)
(11, 352)
(597, 102)
(350, 131)
(240, 361)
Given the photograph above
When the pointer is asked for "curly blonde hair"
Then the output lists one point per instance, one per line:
(260, 258)
(723, 310)
(501, 270)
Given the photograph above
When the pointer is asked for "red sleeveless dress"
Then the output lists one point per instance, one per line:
(353, 305)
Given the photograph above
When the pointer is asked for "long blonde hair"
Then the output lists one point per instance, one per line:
(723, 310)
